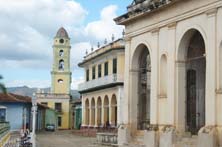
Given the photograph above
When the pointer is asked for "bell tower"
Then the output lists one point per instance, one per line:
(61, 74)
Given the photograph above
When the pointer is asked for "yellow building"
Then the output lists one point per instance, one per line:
(102, 91)
(59, 98)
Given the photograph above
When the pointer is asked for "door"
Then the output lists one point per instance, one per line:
(191, 102)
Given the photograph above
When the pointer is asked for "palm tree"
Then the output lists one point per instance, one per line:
(2, 86)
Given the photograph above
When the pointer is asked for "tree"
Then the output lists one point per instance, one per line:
(2, 86)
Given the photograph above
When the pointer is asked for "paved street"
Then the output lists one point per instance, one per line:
(64, 139)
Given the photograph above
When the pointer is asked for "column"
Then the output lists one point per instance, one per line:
(110, 113)
(103, 113)
(181, 95)
(126, 102)
(83, 113)
(96, 115)
(154, 77)
(171, 76)
(90, 115)
(210, 68)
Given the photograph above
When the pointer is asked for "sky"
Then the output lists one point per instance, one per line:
(28, 27)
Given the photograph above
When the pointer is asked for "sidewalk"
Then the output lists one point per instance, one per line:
(14, 136)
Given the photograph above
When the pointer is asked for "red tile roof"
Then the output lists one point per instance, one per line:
(12, 98)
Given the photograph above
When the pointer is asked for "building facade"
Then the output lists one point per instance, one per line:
(12, 105)
(173, 73)
(102, 90)
(59, 98)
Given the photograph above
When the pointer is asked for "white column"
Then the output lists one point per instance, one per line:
(154, 77)
(96, 115)
(110, 113)
(171, 73)
(180, 95)
(120, 110)
(90, 115)
(127, 99)
(210, 69)
(83, 113)
(103, 112)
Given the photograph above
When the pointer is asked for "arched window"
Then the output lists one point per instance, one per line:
(61, 53)
(61, 64)
(163, 76)
(60, 81)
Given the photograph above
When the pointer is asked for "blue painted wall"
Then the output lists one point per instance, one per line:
(15, 113)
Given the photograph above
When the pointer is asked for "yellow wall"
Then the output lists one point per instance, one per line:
(65, 110)
(62, 88)
(120, 65)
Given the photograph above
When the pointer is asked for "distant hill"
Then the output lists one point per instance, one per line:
(26, 91)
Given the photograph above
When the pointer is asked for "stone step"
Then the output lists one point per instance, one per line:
(189, 141)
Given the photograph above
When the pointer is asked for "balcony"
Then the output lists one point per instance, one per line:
(103, 81)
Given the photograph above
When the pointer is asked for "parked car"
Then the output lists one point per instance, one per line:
(50, 127)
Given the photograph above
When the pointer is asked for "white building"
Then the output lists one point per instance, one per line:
(173, 73)
(102, 90)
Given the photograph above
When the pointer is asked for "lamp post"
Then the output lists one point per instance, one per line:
(34, 111)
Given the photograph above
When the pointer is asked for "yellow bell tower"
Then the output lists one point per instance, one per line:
(61, 74)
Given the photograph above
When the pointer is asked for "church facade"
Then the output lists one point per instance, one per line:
(59, 97)
(173, 73)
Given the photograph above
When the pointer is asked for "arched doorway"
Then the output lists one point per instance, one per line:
(92, 112)
(114, 111)
(192, 76)
(87, 112)
(106, 110)
(141, 78)
(99, 111)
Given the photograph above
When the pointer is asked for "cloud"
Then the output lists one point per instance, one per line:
(76, 82)
(28, 28)
(105, 27)
(30, 25)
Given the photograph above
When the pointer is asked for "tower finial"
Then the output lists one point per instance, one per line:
(105, 41)
(98, 45)
(113, 37)
(123, 33)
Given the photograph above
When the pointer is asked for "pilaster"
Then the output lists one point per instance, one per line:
(211, 68)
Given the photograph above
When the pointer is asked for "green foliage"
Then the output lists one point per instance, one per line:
(2, 86)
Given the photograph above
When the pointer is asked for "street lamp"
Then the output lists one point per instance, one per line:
(34, 111)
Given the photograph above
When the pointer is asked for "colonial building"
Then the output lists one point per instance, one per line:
(173, 73)
(59, 97)
(102, 91)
